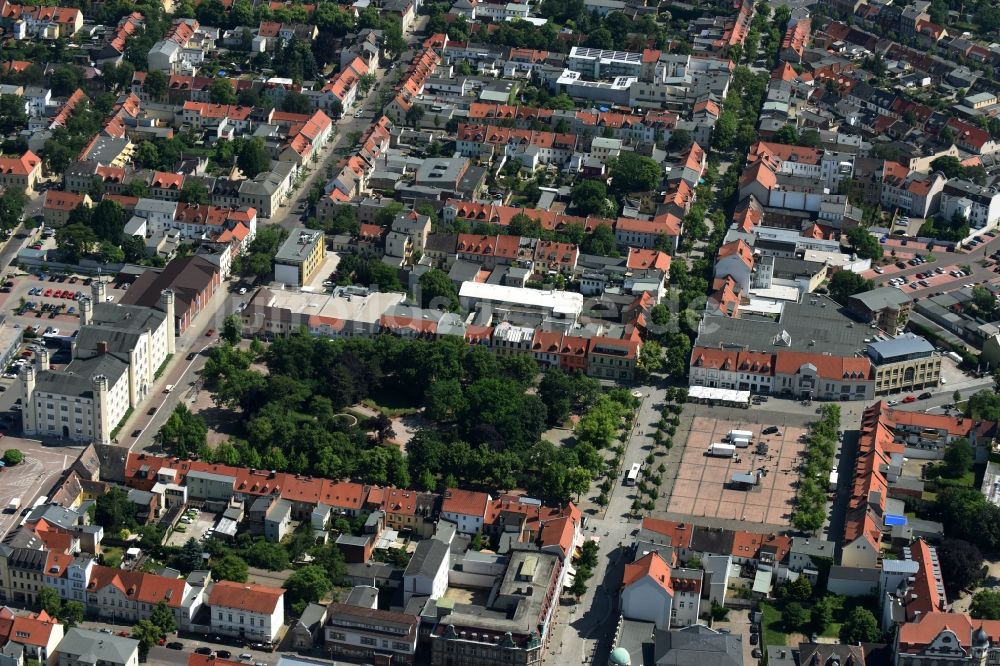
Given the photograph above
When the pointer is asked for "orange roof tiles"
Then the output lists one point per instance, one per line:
(167, 181)
(21, 166)
(33, 629)
(666, 224)
(915, 637)
(60, 200)
(679, 534)
(652, 566)
(465, 502)
(641, 259)
(248, 597)
(138, 585)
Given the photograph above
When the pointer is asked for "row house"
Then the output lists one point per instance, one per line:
(533, 148)
(46, 22)
(917, 194)
(500, 215)
(343, 88)
(227, 120)
(556, 349)
(130, 596)
(647, 234)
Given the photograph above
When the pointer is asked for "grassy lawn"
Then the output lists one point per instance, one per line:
(773, 633)
(113, 556)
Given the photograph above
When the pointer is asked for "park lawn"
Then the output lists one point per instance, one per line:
(771, 626)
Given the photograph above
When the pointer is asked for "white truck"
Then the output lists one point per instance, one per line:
(740, 442)
(14, 505)
(739, 434)
(722, 450)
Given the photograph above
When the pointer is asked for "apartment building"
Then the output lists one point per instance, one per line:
(370, 635)
(21, 172)
(299, 257)
(246, 610)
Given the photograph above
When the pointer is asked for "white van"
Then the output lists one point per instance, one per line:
(169, 388)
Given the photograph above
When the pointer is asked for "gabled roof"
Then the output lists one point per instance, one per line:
(248, 597)
(650, 566)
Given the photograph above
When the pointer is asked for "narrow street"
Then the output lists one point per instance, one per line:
(584, 630)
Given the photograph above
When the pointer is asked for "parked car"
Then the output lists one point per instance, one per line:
(908, 399)
(150, 411)
(925, 395)
(175, 645)
(203, 650)
(223, 654)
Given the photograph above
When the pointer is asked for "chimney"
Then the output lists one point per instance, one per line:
(102, 347)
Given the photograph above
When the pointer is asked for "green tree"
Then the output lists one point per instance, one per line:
(13, 457)
(958, 458)
(306, 585)
(232, 329)
(601, 242)
(860, 627)
(794, 617)
(65, 80)
(49, 601)
(229, 567)
(800, 589)
(680, 140)
(72, 613)
(845, 284)
(787, 134)
(631, 172)
(114, 511)
(651, 357)
(155, 84)
(296, 102)
(822, 615)
(590, 197)
(185, 432)
(148, 635)
(253, 158)
(221, 92)
(11, 206)
(13, 117)
(413, 115)
(75, 241)
(866, 245)
(194, 192)
(163, 617)
(438, 291)
(985, 605)
(268, 555)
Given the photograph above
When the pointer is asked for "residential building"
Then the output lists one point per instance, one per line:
(886, 307)
(82, 647)
(192, 280)
(612, 358)
(977, 204)
(952, 639)
(370, 635)
(20, 173)
(39, 634)
(647, 593)
(427, 572)
(57, 205)
(246, 610)
(299, 257)
(466, 508)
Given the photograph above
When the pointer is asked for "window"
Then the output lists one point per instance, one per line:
(365, 640)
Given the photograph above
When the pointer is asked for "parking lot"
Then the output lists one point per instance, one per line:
(704, 485)
(194, 530)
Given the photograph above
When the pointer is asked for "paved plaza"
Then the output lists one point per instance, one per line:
(704, 489)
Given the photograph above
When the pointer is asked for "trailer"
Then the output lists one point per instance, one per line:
(739, 434)
(740, 442)
(722, 450)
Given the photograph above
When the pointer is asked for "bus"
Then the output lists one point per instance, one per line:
(633, 475)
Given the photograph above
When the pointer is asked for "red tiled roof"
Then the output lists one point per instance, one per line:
(465, 502)
(248, 597)
(652, 566)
